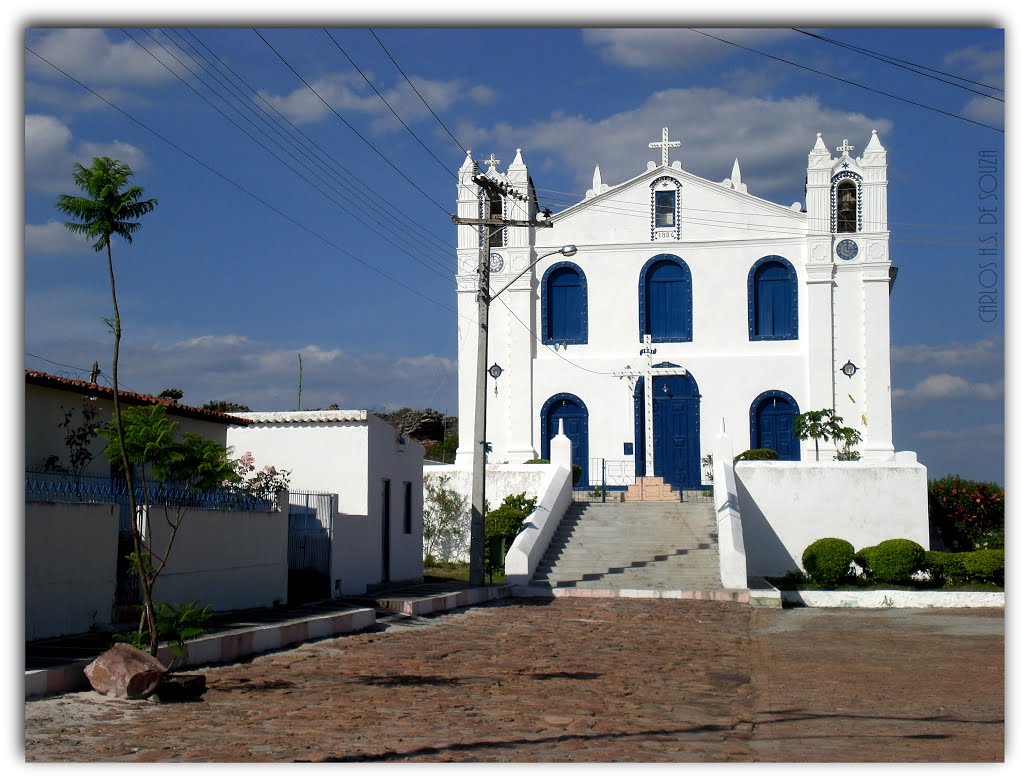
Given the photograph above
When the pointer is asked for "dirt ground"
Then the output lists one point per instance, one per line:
(581, 680)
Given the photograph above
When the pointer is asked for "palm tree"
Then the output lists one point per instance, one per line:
(111, 206)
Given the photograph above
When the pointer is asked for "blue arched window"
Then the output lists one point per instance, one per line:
(771, 424)
(563, 303)
(666, 299)
(772, 300)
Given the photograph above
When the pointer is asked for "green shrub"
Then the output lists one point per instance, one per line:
(861, 558)
(967, 514)
(985, 565)
(827, 560)
(502, 525)
(577, 470)
(895, 560)
(757, 454)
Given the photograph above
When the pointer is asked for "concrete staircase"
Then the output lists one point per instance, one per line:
(645, 546)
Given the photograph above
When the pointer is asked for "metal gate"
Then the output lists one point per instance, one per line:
(310, 530)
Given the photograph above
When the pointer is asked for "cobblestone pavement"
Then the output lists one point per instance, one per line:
(581, 680)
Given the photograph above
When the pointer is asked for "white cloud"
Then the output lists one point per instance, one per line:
(54, 238)
(964, 434)
(664, 48)
(50, 153)
(988, 352)
(985, 66)
(941, 386)
(90, 54)
(715, 127)
(348, 92)
(265, 376)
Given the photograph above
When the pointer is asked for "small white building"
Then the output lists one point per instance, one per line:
(755, 311)
(375, 474)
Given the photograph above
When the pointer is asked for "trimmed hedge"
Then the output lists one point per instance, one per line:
(983, 565)
(893, 561)
(757, 454)
(828, 560)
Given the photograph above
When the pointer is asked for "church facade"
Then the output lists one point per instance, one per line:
(689, 304)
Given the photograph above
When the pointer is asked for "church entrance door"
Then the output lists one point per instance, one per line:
(574, 417)
(676, 430)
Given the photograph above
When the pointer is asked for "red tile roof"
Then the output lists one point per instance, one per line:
(134, 398)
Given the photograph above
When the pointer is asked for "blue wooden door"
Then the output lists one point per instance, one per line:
(676, 430)
(774, 428)
(573, 416)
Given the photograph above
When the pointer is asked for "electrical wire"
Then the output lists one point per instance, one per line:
(443, 165)
(442, 273)
(906, 65)
(345, 175)
(359, 135)
(409, 81)
(323, 239)
(847, 81)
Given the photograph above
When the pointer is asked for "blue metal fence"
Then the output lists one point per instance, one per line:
(53, 487)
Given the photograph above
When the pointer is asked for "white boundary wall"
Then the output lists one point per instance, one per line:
(502, 480)
(70, 567)
(227, 559)
(732, 555)
(787, 505)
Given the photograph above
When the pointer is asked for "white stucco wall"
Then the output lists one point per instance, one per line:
(786, 506)
(348, 454)
(227, 559)
(70, 567)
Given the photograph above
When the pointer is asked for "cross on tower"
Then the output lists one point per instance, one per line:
(664, 144)
(492, 161)
(846, 148)
(647, 373)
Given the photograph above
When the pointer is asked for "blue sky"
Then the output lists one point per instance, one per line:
(246, 263)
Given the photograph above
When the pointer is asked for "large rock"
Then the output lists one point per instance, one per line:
(125, 672)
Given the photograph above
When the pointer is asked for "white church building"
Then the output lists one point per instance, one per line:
(689, 303)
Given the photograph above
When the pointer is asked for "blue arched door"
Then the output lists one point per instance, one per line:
(572, 413)
(676, 429)
(771, 424)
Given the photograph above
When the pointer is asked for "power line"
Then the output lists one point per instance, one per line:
(346, 175)
(359, 135)
(906, 65)
(242, 189)
(390, 107)
(847, 81)
(450, 135)
(354, 215)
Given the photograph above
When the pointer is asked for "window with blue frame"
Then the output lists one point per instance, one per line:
(564, 304)
(772, 300)
(665, 208)
(666, 299)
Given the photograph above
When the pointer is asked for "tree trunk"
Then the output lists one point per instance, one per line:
(147, 588)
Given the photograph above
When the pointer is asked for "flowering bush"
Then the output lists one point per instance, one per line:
(266, 482)
(444, 519)
(968, 514)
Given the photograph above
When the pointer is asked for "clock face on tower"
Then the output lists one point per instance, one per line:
(846, 249)
(497, 262)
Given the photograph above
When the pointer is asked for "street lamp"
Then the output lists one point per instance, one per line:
(476, 526)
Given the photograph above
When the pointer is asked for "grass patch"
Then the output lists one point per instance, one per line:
(459, 572)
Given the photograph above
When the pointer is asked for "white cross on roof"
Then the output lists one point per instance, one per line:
(846, 148)
(492, 161)
(664, 144)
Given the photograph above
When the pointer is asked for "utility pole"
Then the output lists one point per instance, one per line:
(490, 189)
